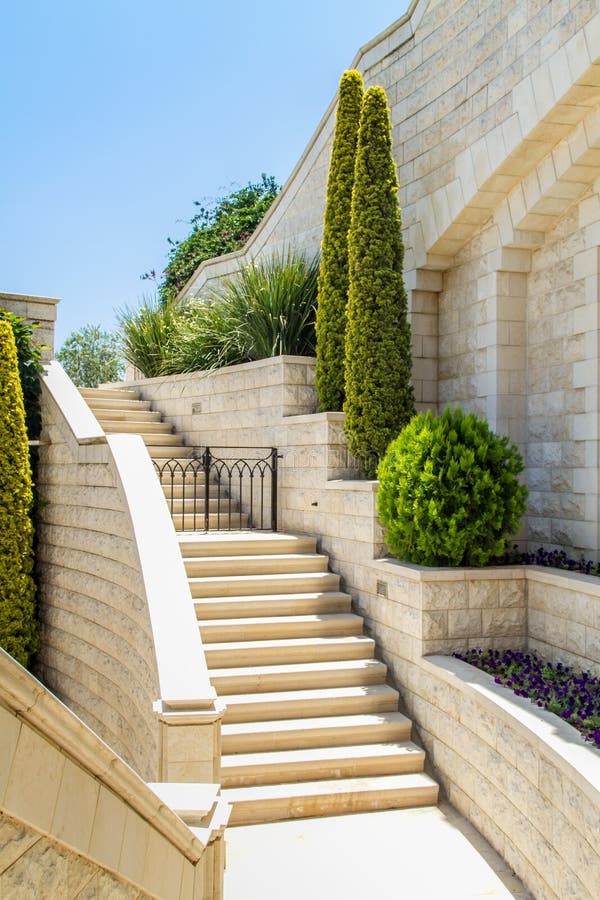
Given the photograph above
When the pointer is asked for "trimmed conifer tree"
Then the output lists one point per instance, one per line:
(333, 272)
(378, 362)
(18, 626)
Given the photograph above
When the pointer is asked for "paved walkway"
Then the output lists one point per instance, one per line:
(414, 854)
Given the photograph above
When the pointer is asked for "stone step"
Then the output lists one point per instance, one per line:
(173, 454)
(262, 564)
(341, 701)
(265, 653)
(248, 585)
(152, 432)
(94, 394)
(279, 627)
(189, 505)
(162, 440)
(317, 763)
(176, 490)
(116, 402)
(216, 521)
(250, 544)
(126, 415)
(297, 676)
(272, 803)
(273, 605)
(327, 731)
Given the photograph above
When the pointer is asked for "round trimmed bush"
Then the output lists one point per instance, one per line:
(449, 493)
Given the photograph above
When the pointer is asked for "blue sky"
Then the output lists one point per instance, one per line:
(117, 116)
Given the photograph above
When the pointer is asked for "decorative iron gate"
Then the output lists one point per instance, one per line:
(219, 489)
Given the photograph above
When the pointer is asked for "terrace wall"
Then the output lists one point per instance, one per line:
(495, 109)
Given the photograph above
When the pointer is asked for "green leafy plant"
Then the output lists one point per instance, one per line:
(18, 626)
(92, 356)
(267, 309)
(333, 273)
(218, 227)
(29, 355)
(449, 493)
(149, 335)
(378, 361)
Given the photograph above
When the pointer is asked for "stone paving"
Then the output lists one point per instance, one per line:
(421, 854)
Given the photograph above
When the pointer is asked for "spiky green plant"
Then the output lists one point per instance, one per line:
(149, 335)
(18, 626)
(379, 397)
(333, 273)
(267, 309)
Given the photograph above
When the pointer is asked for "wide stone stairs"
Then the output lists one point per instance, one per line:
(311, 727)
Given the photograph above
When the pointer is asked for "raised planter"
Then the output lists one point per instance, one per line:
(525, 778)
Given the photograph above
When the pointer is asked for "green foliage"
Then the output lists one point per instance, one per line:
(92, 356)
(333, 274)
(217, 228)
(267, 309)
(449, 493)
(379, 397)
(29, 356)
(149, 335)
(18, 627)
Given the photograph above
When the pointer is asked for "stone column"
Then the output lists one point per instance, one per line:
(502, 333)
(423, 287)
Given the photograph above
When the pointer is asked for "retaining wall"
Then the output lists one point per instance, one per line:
(75, 820)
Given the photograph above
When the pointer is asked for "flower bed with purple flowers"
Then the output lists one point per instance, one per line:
(572, 695)
(554, 559)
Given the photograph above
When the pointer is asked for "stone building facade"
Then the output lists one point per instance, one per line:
(495, 107)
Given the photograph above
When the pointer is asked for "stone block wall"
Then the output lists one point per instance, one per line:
(562, 382)
(496, 126)
(238, 405)
(97, 646)
(36, 309)
(564, 617)
(75, 820)
(526, 780)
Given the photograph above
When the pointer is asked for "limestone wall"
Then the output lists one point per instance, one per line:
(120, 642)
(97, 651)
(496, 124)
(524, 778)
(75, 820)
(36, 309)
(562, 383)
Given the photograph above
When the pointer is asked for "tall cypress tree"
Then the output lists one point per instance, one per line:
(333, 273)
(18, 628)
(379, 396)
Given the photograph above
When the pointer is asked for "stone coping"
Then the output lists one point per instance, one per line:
(590, 584)
(269, 361)
(29, 298)
(27, 698)
(572, 755)
(181, 664)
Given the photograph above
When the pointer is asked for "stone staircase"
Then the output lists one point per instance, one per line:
(311, 727)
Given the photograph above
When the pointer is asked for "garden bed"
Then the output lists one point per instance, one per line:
(562, 690)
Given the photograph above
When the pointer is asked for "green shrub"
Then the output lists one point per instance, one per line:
(267, 309)
(378, 361)
(29, 356)
(333, 273)
(449, 493)
(219, 227)
(18, 627)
